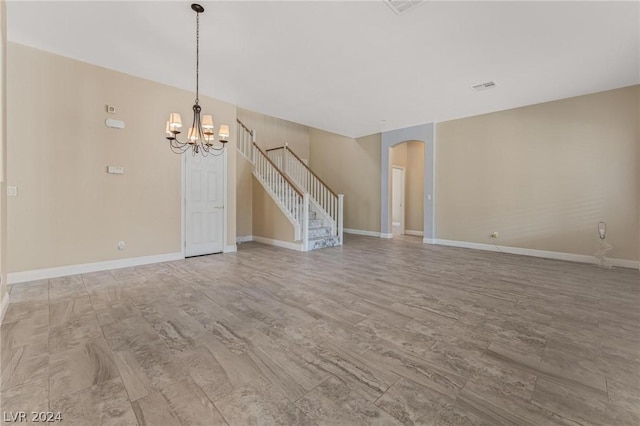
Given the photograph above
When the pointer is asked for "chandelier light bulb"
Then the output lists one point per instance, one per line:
(193, 135)
(223, 133)
(207, 124)
(175, 121)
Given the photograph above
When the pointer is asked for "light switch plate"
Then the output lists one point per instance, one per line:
(114, 124)
(12, 191)
(115, 170)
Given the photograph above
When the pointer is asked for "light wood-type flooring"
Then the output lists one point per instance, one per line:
(377, 332)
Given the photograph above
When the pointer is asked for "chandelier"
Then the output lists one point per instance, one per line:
(201, 136)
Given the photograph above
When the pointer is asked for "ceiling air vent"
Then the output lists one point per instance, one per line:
(484, 86)
(401, 6)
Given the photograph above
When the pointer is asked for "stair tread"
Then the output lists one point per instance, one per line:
(322, 237)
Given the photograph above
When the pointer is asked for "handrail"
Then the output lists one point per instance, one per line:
(289, 181)
(245, 127)
(311, 171)
(306, 167)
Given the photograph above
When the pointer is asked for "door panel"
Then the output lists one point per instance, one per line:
(204, 205)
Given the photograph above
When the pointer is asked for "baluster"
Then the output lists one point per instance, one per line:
(323, 193)
(331, 207)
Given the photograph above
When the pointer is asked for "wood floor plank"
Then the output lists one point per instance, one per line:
(387, 331)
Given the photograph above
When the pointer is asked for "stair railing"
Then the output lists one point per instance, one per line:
(246, 138)
(293, 166)
(293, 201)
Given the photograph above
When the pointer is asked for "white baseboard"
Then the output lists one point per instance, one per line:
(43, 274)
(279, 243)
(230, 249)
(390, 235)
(361, 232)
(428, 241)
(244, 239)
(412, 232)
(4, 306)
(571, 257)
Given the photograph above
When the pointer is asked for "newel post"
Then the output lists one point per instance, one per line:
(305, 222)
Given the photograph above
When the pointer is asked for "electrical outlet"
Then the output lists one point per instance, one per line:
(120, 245)
(494, 235)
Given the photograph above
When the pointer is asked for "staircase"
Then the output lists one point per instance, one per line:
(315, 211)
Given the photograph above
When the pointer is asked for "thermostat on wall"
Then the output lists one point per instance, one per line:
(115, 124)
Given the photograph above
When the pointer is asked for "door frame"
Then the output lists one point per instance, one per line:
(183, 202)
(404, 194)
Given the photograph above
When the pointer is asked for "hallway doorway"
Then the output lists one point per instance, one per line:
(397, 202)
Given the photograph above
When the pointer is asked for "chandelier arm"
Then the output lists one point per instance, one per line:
(177, 149)
(176, 143)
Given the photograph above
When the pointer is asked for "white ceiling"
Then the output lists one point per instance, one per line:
(352, 67)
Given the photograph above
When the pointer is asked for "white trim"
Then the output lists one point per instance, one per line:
(244, 239)
(279, 243)
(571, 257)
(361, 232)
(61, 271)
(386, 235)
(230, 249)
(428, 241)
(5, 305)
(412, 232)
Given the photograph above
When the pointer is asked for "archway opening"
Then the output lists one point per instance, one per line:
(424, 136)
(407, 188)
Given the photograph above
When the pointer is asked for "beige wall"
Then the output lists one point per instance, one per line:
(410, 156)
(244, 202)
(272, 132)
(350, 167)
(543, 176)
(268, 220)
(3, 153)
(69, 210)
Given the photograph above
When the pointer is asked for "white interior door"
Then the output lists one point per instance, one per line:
(204, 204)
(397, 200)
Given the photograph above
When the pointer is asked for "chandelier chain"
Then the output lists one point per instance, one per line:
(197, 57)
